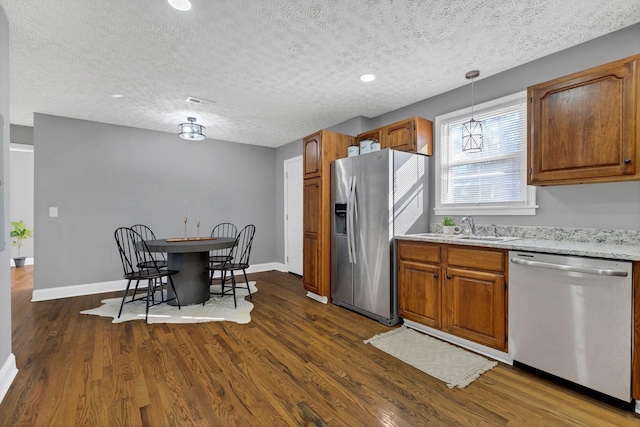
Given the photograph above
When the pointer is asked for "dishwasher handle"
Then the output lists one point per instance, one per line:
(571, 268)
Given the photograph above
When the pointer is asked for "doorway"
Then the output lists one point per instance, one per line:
(21, 194)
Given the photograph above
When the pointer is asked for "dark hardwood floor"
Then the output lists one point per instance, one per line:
(297, 363)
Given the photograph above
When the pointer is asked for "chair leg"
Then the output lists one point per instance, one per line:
(208, 290)
(223, 279)
(161, 285)
(174, 292)
(124, 297)
(149, 292)
(247, 282)
(135, 290)
(233, 288)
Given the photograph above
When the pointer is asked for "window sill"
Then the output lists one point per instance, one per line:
(485, 210)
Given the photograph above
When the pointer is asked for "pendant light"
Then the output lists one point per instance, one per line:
(472, 130)
(191, 130)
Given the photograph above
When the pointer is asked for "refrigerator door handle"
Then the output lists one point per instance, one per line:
(354, 219)
(351, 211)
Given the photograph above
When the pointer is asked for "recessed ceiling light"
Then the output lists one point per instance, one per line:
(182, 5)
(117, 95)
(367, 77)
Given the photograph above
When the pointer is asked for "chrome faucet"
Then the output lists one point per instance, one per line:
(471, 226)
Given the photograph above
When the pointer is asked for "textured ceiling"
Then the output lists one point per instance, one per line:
(277, 69)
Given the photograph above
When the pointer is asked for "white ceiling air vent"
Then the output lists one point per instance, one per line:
(199, 101)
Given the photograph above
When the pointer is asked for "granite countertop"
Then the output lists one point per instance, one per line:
(609, 244)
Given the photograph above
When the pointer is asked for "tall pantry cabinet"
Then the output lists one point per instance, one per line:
(319, 150)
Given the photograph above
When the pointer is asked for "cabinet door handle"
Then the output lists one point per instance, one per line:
(627, 161)
(448, 277)
(435, 276)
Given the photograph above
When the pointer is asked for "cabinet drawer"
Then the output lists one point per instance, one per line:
(416, 251)
(476, 258)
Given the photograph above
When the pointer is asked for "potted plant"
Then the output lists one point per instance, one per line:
(449, 226)
(20, 232)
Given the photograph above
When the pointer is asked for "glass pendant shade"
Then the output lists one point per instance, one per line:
(472, 136)
(191, 130)
(472, 130)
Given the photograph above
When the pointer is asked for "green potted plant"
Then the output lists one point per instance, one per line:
(449, 226)
(20, 232)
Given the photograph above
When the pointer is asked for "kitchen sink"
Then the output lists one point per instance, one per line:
(485, 238)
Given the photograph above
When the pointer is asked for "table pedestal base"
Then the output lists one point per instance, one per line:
(192, 283)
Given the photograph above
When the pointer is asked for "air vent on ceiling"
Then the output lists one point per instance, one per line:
(199, 101)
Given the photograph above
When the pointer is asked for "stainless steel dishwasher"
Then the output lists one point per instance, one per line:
(572, 317)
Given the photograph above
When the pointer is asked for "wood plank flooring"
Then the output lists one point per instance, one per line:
(297, 363)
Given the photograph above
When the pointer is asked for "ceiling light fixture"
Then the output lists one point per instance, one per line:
(367, 77)
(191, 130)
(182, 5)
(472, 130)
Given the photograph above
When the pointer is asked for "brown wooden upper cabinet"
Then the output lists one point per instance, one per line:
(584, 127)
(414, 135)
(373, 135)
(312, 155)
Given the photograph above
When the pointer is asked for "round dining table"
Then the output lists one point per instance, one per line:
(190, 257)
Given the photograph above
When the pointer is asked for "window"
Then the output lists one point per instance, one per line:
(494, 180)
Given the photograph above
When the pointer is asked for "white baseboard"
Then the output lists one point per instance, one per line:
(317, 297)
(7, 373)
(28, 261)
(119, 285)
(78, 290)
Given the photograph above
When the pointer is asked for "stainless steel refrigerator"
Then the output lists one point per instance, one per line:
(374, 197)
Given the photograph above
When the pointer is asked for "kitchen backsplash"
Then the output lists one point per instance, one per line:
(586, 235)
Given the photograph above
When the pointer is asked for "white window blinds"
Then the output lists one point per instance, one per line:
(492, 181)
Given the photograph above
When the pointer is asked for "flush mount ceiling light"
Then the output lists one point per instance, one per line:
(182, 5)
(191, 130)
(472, 130)
(367, 78)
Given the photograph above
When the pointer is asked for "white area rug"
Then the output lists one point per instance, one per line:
(455, 366)
(217, 309)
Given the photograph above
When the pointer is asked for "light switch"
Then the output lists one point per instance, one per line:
(53, 212)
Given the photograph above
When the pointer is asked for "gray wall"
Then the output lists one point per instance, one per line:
(5, 255)
(589, 205)
(102, 176)
(22, 134)
(614, 205)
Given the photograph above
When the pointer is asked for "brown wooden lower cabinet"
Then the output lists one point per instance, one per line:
(475, 306)
(420, 293)
(469, 301)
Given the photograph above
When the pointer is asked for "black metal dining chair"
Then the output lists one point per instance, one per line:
(148, 260)
(154, 258)
(237, 259)
(224, 229)
(133, 250)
